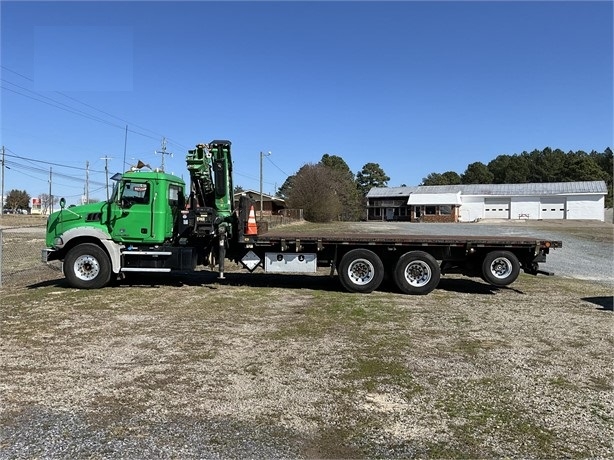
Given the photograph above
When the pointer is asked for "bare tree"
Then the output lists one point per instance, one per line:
(46, 202)
(314, 191)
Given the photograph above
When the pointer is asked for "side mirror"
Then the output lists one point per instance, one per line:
(62, 203)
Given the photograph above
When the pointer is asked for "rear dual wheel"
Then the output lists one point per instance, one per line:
(361, 270)
(417, 273)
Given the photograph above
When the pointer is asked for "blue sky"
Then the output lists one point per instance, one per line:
(417, 87)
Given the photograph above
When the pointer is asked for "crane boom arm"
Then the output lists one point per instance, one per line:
(210, 167)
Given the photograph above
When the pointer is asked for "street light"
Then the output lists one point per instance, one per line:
(262, 154)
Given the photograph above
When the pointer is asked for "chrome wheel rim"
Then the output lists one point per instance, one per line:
(418, 273)
(361, 272)
(86, 268)
(501, 267)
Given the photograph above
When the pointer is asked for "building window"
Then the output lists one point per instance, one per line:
(430, 210)
(445, 210)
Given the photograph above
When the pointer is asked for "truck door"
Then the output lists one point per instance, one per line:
(134, 220)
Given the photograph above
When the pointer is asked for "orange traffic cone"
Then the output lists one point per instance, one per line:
(251, 228)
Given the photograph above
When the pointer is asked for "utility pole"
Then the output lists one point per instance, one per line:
(262, 155)
(2, 192)
(87, 182)
(163, 152)
(125, 145)
(106, 173)
(50, 195)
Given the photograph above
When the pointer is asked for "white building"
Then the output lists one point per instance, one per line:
(468, 203)
(559, 200)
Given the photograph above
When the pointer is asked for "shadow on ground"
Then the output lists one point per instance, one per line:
(267, 280)
(606, 303)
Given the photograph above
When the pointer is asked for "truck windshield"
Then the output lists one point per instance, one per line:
(115, 178)
(114, 193)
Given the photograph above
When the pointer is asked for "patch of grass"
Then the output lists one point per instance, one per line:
(603, 413)
(577, 343)
(333, 313)
(601, 383)
(372, 374)
(473, 347)
(469, 347)
(562, 383)
(477, 412)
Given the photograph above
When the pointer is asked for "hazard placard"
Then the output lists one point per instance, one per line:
(251, 261)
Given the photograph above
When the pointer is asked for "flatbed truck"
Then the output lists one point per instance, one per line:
(154, 224)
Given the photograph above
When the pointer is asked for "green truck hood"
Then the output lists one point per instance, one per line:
(92, 215)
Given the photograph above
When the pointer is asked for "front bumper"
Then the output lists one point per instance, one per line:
(47, 255)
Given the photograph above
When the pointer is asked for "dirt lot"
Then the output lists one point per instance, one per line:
(292, 366)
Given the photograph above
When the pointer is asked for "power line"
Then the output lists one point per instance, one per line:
(46, 179)
(56, 104)
(60, 105)
(90, 107)
(271, 161)
(69, 109)
(33, 169)
(16, 73)
(250, 177)
(49, 162)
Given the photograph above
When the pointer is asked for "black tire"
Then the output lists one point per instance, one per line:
(417, 273)
(500, 268)
(361, 270)
(87, 266)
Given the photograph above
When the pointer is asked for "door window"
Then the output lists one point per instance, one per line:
(135, 193)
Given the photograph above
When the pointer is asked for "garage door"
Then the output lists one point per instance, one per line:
(496, 208)
(552, 208)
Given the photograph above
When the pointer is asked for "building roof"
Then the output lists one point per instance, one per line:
(391, 192)
(533, 189)
(434, 199)
(256, 196)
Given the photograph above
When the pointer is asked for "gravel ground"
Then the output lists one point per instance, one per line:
(289, 366)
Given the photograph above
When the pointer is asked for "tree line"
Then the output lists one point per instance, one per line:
(545, 165)
(329, 190)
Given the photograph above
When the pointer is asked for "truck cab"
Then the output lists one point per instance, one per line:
(126, 233)
(146, 207)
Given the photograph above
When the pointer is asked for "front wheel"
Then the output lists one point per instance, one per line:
(361, 270)
(87, 266)
(417, 272)
(500, 268)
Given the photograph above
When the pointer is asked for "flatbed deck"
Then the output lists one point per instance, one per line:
(274, 237)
